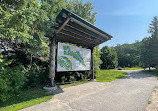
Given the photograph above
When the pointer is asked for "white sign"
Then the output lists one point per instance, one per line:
(73, 58)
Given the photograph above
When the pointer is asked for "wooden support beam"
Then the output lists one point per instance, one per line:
(69, 39)
(66, 21)
(84, 30)
(89, 28)
(92, 63)
(79, 36)
(82, 34)
(52, 60)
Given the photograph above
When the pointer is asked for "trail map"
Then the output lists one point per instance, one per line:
(72, 58)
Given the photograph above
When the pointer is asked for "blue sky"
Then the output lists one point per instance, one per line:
(125, 20)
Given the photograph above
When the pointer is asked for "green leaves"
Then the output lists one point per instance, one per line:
(84, 10)
(109, 58)
(25, 29)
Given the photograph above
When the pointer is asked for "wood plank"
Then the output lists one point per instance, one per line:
(66, 21)
(85, 31)
(69, 39)
(79, 36)
(89, 28)
(91, 38)
(76, 39)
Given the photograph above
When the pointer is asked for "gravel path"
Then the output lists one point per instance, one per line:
(127, 94)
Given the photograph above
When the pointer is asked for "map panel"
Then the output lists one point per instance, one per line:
(72, 58)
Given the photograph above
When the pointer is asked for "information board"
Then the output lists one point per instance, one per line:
(72, 58)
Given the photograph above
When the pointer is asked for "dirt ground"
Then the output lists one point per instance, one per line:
(153, 101)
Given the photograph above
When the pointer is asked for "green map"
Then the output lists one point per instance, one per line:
(65, 62)
(72, 58)
(76, 55)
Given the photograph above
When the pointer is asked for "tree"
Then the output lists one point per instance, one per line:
(97, 60)
(145, 52)
(128, 54)
(109, 58)
(26, 28)
(149, 49)
(84, 10)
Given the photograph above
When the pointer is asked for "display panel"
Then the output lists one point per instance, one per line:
(72, 58)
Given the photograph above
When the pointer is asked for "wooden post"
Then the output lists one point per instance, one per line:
(92, 63)
(52, 61)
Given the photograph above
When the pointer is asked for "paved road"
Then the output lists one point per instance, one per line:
(127, 94)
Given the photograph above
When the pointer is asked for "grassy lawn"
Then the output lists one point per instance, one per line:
(133, 68)
(109, 75)
(127, 68)
(73, 83)
(153, 72)
(25, 99)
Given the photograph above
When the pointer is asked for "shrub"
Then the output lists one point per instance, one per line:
(64, 77)
(36, 76)
(156, 68)
(11, 81)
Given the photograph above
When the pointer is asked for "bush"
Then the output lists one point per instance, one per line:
(156, 68)
(64, 77)
(11, 81)
(37, 76)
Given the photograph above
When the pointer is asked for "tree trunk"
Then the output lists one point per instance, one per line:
(52, 61)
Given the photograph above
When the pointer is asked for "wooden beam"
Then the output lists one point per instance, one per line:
(69, 39)
(52, 61)
(82, 34)
(92, 63)
(79, 36)
(66, 21)
(75, 38)
(89, 28)
(86, 32)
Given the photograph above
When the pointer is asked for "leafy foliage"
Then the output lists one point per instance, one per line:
(109, 58)
(128, 54)
(84, 10)
(149, 48)
(11, 80)
(26, 29)
(36, 76)
(97, 60)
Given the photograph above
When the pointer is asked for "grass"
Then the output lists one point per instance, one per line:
(74, 83)
(152, 72)
(149, 101)
(25, 99)
(127, 68)
(133, 68)
(31, 97)
(110, 75)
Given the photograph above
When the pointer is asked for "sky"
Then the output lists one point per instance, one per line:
(126, 20)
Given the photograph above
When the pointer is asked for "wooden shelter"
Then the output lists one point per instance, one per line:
(73, 29)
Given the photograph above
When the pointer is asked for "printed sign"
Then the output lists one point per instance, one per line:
(73, 58)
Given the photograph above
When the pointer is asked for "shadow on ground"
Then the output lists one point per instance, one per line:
(26, 95)
(137, 75)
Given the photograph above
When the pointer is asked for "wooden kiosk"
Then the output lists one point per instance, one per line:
(75, 30)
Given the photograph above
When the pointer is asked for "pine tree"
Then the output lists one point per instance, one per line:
(149, 49)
